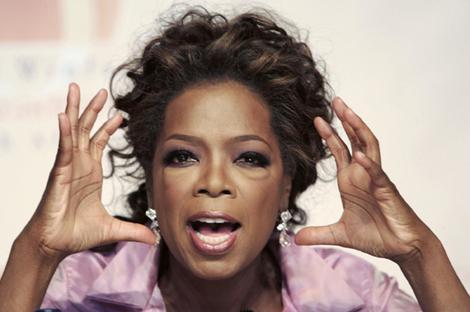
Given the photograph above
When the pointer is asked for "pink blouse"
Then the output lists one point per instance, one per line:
(315, 279)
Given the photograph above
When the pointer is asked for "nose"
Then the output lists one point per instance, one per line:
(214, 181)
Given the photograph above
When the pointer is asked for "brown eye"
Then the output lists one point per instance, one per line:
(253, 159)
(179, 158)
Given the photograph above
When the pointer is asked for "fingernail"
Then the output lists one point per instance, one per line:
(116, 115)
(322, 123)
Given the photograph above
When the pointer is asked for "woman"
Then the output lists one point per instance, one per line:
(219, 122)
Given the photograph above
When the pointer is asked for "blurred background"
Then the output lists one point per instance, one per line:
(402, 65)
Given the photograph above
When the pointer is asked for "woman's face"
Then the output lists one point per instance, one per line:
(218, 179)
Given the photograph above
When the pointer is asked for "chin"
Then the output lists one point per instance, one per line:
(213, 267)
(215, 270)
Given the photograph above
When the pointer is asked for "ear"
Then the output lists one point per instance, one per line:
(286, 189)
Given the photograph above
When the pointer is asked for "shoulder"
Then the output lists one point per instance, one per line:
(377, 288)
(87, 272)
(348, 273)
(345, 263)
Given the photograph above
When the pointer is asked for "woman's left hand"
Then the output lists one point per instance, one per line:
(376, 219)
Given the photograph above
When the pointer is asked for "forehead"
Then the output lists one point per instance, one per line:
(224, 109)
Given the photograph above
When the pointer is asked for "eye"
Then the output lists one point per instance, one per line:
(179, 158)
(253, 159)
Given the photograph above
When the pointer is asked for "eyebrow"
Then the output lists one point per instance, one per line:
(237, 139)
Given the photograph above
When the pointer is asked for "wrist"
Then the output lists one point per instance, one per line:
(424, 253)
(425, 246)
(29, 243)
(433, 279)
(26, 275)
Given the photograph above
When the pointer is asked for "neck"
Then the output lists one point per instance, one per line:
(247, 290)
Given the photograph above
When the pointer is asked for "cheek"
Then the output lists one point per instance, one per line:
(264, 202)
(175, 185)
(171, 190)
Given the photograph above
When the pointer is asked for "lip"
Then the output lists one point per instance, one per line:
(213, 214)
(216, 249)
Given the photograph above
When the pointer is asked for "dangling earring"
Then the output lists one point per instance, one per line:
(284, 238)
(154, 226)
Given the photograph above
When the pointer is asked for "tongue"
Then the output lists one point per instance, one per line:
(224, 228)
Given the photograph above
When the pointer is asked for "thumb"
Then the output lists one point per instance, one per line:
(332, 234)
(130, 231)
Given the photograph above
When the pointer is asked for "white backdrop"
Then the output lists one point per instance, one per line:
(402, 65)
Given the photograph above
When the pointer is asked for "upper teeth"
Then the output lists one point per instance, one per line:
(212, 220)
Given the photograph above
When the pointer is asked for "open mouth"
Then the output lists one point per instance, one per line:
(208, 226)
(213, 235)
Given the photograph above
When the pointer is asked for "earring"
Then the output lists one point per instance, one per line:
(154, 226)
(284, 238)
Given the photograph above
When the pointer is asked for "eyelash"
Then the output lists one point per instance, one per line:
(171, 159)
(258, 159)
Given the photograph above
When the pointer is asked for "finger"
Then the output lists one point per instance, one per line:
(64, 153)
(72, 110)
(377, 175)
(356, 144)
(129, 231)
(385, 190)
(101, 137)
(365, 140)
(335, 144)
(88, 118)
(332, 234)
(339, 108)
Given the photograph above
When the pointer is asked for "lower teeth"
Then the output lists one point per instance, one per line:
(213, 240)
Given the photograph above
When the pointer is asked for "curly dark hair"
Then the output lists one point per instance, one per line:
(202, 47)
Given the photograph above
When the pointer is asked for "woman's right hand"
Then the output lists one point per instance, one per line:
(70, 216)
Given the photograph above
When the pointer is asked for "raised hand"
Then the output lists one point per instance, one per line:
(70, 216)
(375, 219)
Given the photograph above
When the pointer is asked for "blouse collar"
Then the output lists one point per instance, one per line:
(309, 282)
